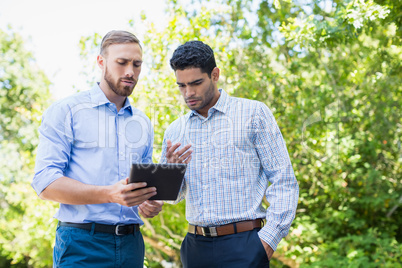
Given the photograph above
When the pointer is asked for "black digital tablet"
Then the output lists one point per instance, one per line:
(167, 178)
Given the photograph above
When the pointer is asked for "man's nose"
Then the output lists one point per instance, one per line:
(189, 91)
(129, 71)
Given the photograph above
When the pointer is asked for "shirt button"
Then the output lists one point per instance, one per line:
(121, 153)
(122, 174)
(205, 187)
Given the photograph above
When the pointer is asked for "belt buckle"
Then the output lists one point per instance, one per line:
(209, 231)
(116, 230)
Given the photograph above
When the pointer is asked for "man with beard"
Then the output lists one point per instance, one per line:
(87, 144)
(239, 156)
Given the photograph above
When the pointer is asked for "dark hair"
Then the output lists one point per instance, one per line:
(193, 54)
(117, 37)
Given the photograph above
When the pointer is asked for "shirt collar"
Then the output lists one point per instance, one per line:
(221, 105)
(98, 98)
(127, 106)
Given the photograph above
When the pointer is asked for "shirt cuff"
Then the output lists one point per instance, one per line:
(44, 178)
(271, 236)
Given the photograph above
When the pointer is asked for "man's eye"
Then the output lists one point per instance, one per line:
(121, 63)
(137, 63)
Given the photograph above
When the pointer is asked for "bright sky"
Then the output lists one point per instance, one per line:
(54, 28)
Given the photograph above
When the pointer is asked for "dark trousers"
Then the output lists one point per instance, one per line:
(237, 250)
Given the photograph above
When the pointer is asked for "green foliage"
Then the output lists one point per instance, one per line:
(25, 222)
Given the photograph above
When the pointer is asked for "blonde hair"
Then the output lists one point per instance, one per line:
(117, 37)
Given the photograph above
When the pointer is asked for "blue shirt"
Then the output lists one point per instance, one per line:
(237, 151)
(83, 137)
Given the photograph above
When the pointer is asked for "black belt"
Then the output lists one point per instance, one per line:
(105, 228)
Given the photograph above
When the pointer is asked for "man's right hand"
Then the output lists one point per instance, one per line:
(123, 194)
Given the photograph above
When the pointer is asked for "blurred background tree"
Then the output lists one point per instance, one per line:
(26, 223)
(331, 73)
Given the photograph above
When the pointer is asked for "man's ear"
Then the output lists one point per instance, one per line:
(215, 74)
(101, 62)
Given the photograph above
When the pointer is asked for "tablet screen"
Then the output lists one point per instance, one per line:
(167, 178)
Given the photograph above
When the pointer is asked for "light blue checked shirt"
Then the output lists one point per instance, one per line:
(84, 138)
(237, 151)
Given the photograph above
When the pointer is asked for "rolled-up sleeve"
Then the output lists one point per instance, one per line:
(55, 141)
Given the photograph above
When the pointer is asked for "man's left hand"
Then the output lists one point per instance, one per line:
(150, 208)
(268, 249)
